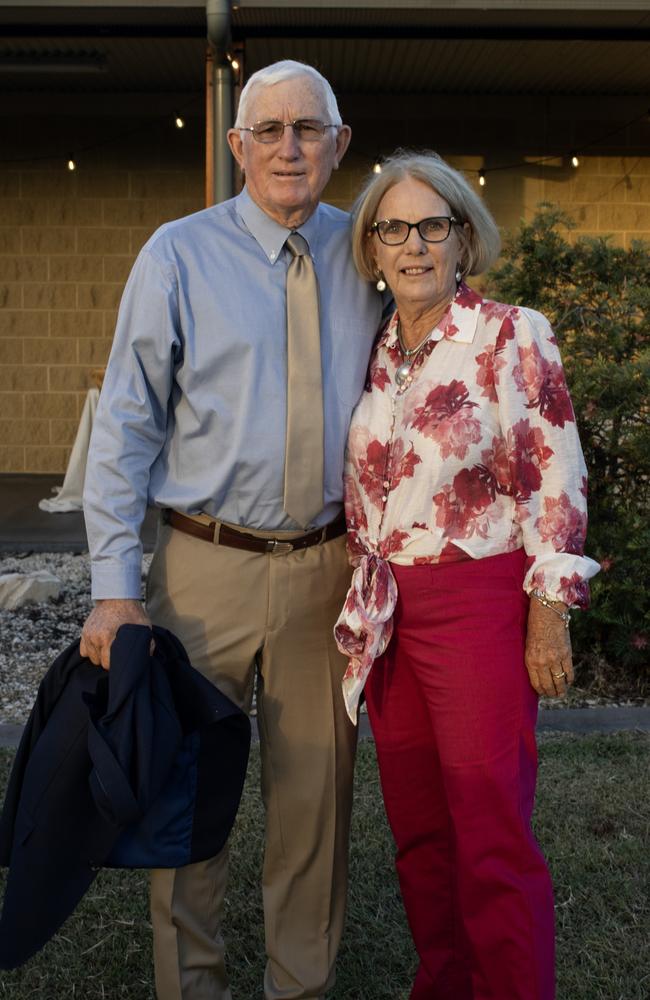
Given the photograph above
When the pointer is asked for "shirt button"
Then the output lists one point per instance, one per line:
(386, 484)
(384, 498)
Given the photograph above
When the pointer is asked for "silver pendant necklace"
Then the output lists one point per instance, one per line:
(409, 354)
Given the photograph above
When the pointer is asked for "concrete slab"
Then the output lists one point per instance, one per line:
(581, 721)
(26, 528)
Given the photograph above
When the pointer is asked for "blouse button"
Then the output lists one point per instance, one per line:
(386, 484)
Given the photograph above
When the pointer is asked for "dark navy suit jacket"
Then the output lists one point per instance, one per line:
(140, 766)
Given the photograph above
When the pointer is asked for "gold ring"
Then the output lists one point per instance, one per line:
(563, 674)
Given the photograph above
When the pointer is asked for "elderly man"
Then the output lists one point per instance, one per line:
(240, 351)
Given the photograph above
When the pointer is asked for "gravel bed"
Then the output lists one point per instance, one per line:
(31, 637)
(34, 635)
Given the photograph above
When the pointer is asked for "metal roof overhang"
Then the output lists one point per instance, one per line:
(585, 47)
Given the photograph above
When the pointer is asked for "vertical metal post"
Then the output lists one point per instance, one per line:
(223, 119)
(219, 103)
(209, 127)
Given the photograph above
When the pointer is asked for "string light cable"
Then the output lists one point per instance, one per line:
(177, 117)
(572, 154)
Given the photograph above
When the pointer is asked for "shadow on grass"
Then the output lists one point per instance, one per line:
(592, 821)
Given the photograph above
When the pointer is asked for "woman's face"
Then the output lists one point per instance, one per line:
(419, 274)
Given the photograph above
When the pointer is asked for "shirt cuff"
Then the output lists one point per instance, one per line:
(562, 577)
(116, 580)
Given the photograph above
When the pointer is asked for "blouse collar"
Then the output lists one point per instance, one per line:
(458, 323)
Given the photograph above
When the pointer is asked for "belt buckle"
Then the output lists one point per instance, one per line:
(277, 548)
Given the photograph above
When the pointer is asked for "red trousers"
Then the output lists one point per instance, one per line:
(453, 716)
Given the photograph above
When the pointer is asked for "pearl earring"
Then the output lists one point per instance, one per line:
(381, 284)
(459, 274)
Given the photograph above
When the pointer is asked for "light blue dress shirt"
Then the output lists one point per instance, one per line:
(192, 413)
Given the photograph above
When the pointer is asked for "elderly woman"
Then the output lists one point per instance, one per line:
(465, 500)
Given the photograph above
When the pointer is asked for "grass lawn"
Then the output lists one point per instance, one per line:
(592, 819)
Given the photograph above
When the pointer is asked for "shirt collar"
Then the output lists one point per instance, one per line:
(458, 323)
(270, 235)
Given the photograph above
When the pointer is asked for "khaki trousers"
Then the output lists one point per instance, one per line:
(250, 619)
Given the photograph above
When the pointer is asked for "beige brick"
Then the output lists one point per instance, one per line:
(598, 188)
(14, 378)
(613, 218)
(94, 352)
(52, 239)
(110, 322)
(63, 431)
(52, 351)
(46, 459)
(637, 189)
(22, 268)
(9, 239)
(9, 184)
(99, 296)
(79, 267)
(12, 459)
(52, 405)
(621, 165)
(76, 324)
(24, 431)
(66, 378)
(147, 211)
(49, 295)
(106, 240)
(117, 268)
(11, 351)
(12, 404)
(139, 236)
(133, 212)
(11, 296)
(166, 184)
(18, 212)
(585, 216)
(20, 323)
(74, 212)
(58, 183)
(103, 184)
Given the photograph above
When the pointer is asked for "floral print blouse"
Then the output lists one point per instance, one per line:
(475, 454)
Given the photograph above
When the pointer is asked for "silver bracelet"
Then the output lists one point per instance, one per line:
(547, 602)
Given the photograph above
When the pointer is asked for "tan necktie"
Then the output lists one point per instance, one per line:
(303, 466)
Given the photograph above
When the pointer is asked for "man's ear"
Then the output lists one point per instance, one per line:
(343, 137)
(236, 146)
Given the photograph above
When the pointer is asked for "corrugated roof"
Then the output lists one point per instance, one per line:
(395, 49)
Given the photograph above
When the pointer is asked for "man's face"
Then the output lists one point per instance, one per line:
(287, 178)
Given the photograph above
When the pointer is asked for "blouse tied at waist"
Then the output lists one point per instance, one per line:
(365, 625)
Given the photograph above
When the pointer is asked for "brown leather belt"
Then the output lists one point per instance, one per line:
(242, 540)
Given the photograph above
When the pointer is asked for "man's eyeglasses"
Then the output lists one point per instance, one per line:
(304, 129)
(393, 232)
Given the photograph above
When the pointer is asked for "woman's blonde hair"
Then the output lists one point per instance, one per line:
(479, 247)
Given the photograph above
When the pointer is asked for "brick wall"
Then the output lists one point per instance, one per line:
(67, 240)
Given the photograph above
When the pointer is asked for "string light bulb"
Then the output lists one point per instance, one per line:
(481, 178)
(179, 122)
(235, 64)
(575, 162)
(376, 167)
(71, 163)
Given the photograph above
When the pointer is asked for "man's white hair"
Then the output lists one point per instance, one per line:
(286, 69)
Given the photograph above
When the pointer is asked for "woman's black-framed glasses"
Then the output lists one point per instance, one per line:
(393, 232)
(305, 129)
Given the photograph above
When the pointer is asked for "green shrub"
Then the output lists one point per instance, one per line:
(598, 298)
